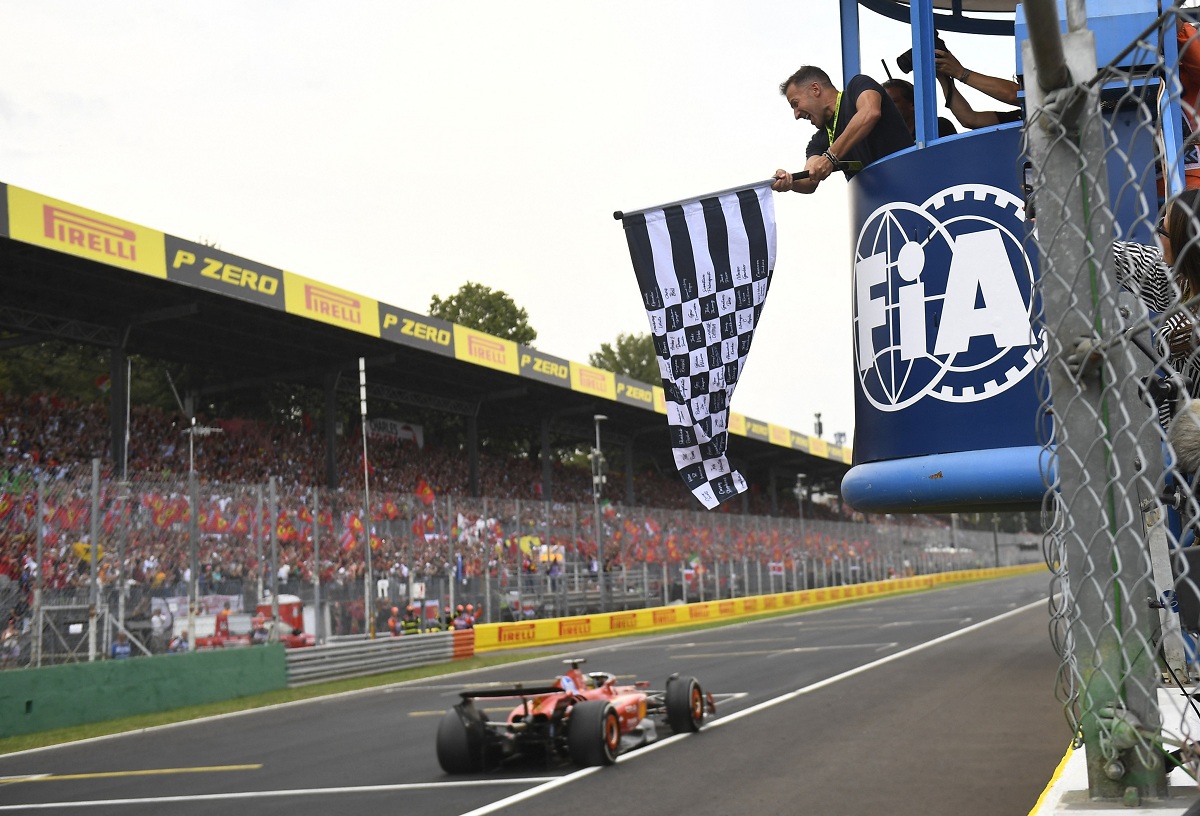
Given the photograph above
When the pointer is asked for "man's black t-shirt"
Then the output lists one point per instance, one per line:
(889, 134)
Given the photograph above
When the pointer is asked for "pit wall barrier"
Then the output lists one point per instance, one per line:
(496, 636)
(33, 700)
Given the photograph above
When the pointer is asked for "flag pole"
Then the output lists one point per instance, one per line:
(803, 174)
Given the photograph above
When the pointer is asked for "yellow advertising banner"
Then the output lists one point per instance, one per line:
(818, 447)
(660, 399)
(594, 381)
(779, 435)
(737, 424)
(473, 346)
(328, 304)
(493, 636)
(53, 224)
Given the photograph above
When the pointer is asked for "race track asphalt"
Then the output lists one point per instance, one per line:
(933, 703)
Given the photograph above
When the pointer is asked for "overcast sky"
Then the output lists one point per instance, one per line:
(399, 149)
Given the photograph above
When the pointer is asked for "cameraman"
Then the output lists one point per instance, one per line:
(950, 70)
(860, 125)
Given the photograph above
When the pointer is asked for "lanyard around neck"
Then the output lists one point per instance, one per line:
(837, 109)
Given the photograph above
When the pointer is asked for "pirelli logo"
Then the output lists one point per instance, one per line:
(770, 602)
(85, 232)
(750, 604)
(591, 380)
(789, 599)
(662, 616)
(479, 348)
(698, 612)
(726, 607)
(624, 621)
(517, 633)
(487, 351)
(595, 381)
(574, 628)
(64, 227)
(332, 305)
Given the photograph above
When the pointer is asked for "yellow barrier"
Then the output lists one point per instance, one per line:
(493, 636)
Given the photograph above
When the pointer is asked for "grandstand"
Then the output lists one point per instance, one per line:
(516, 535)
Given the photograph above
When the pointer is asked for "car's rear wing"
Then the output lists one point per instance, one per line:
(514, 691)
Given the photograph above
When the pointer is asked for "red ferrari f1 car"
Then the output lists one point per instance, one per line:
(586, 719)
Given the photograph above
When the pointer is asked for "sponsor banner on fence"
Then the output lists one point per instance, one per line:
(594, 381)
(545, 368)
(53, 224)
(737, 424)
(216, 271)
(660, 399)
(394, 429)
(632, 392)
(473, 346)
(419, 331)
(328, 304)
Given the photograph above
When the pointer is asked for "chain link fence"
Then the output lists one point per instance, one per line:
(111, 558)
(1108, 145)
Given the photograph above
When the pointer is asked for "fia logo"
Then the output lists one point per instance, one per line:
(943, 299)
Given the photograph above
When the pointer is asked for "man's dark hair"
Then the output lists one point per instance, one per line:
(806, 74)
(905, 87)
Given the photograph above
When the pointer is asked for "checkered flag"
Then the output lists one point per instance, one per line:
(704, 267)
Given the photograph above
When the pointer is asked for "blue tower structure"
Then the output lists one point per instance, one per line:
(946, 345)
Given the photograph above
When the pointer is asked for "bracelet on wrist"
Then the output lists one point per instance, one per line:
(966, 74)
(832, 158)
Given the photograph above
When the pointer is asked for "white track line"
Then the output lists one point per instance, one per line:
(218, 797)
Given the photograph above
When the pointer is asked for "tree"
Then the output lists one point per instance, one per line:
(480, 307)
(632, 355)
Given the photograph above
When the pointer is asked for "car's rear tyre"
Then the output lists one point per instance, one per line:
(685, 705)
(594, 733)
(459, 743)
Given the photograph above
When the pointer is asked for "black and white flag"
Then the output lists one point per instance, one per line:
(704, 267)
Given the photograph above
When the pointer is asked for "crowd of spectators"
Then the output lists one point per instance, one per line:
(421, 521)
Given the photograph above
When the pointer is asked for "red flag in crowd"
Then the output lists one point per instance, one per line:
(425, 492)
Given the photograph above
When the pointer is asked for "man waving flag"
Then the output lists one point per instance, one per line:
(704, 267)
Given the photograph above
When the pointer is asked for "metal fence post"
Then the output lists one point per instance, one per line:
(318, 618)
(1093, 458)
(193, 557)
(39, 579)
(274, 511)
(257, 534)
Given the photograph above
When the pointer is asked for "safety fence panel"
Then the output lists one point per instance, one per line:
(193, 563)
(1118, 288)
